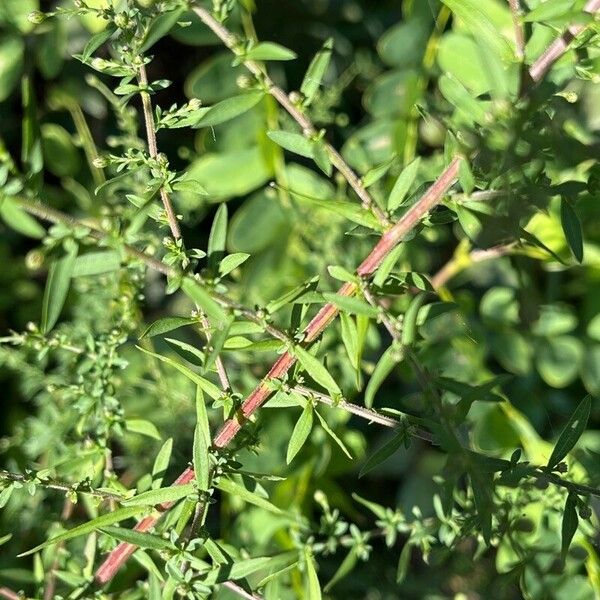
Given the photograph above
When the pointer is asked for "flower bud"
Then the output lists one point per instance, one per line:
(36, 17)
(34, 260)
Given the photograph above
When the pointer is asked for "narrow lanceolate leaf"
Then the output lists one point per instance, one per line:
(217, 237)
(96, 263)
(294, 142)
(113, 517)
(16, 218)
(409, 328)
(391, 446)
(201, 443)
(572, 229)
(570, 522)
(57, 288)
(210, 388)
(270, 51)
(235, 489)
(229, 109)
(350, 338)
(160, 496)
(571, 433)
(301, 432)
(315, 72)
(165, 325)
(353, 306)
(343, 570)
(348, 210)
(462, 100)
(138, 538)
(389, 359)
(317, 371)
(312, 580)
(231, 262)
(333, 436)
(143, 427)
(403, 185)
(161, 463)
(376, 173)
(480, 26)
(403, 562)
(194, 290)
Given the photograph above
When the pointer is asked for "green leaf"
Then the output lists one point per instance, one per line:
(301, 432)
(210, 388)
(572, 229)
(161, 463)
(403, 562)
(312, 579)
(166, 324)
(16, 218)
(164, 495)
(190, 186)
(389, 359)
(315, 72)
(376, 173)
(480, 26)
(462, 100)
(383, 453)
(11, 63)
(231, 262)
(202, 443)
(547, 11)
(217, 341)
(96, 41)
(351, 305)
(96, 263)
(558, 359)
(142, 426)
(269, 51)
(57, 287)
(197, 292)
(570, 522)
(229, 109)
(403, 185)
(571, 433)
(344, 569)
(187, 351)
(350, 338)
(348, 210)
(294, 142)
(331, 434)
(112, 517)
(235, 489)
(409, 324)
(138, 538)
(317, 371)
(218, 237)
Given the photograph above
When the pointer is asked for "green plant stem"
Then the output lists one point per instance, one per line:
(153, 150)
(53, 484)
(308, 129)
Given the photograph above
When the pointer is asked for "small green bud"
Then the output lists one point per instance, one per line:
(34, 260)
(122, 20)
(36, 17)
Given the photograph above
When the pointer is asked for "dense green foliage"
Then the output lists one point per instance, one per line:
(173, 223)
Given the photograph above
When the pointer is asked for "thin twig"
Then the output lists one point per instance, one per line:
(308, 129)
(515, 9)
(9, 594)
(153, 150)
(360, 411)
(221, 372)
(53, 484)
(240, 591)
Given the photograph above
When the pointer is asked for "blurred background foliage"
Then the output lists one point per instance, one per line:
(390, 95)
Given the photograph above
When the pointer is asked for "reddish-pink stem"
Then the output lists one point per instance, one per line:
(559, 46)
